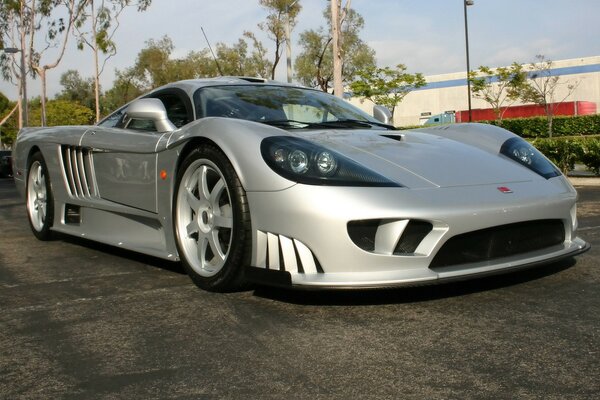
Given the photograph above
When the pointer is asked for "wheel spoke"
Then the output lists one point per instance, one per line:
(203, 183)
(191, 228)
(191, 200)
(216, 194)
(202, 247)
(222, 221)
(215, 246)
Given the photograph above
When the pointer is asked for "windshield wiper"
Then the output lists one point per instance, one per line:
(339, 124)
(351, 123)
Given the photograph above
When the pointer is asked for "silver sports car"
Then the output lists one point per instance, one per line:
(243, 179)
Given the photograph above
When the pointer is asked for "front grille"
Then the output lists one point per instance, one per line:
(79, 172)
(500, 241)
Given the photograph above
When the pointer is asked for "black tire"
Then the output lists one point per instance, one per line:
(40, 201)
(211, 221)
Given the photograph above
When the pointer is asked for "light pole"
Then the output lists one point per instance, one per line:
(288, 44)
(466, 4)
(22, 84)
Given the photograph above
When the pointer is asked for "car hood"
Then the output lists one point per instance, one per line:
(423, 159)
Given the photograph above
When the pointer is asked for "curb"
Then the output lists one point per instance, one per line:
(585, 181)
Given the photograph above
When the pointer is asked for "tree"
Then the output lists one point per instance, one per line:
(15, 27)
(541, 88)
(386, 86)
(314, 65)
(499, 86)
(281, 13)
(235, 60)
(7, 110)
(57, 35)
(125, 88)
(154, 66)
(76, 89)
(95, 28)
(62, 112)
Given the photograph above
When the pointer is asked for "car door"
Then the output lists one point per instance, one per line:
(125, 151)
(124, 162)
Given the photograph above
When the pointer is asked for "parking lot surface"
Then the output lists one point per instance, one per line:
(80, 320)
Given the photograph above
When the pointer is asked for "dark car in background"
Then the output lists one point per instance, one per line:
(5, 164)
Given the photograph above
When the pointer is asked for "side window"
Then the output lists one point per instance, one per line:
(177, 112)
(142, 125)
(114, 120)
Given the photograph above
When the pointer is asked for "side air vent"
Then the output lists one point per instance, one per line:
(78, 169)
(280, 253)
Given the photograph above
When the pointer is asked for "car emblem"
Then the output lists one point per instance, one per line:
(504, 189)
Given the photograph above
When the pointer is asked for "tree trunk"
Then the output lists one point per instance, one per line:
(42, 74)
(338, 88)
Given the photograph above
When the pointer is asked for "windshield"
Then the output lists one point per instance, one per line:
(288, 107)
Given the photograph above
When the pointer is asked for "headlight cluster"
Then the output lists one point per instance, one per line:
(525, 154)
(305, 162)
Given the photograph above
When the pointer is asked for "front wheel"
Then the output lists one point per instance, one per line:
(212, 220)
(40, 203)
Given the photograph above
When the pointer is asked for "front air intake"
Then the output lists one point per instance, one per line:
(499, 241)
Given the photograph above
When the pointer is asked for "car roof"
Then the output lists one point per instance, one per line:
(191, 85)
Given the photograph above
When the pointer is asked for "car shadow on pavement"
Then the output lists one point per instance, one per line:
(414, 293)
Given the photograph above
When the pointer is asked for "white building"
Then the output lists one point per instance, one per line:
(448, 92)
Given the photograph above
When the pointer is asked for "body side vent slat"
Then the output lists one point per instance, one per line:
(78, 170)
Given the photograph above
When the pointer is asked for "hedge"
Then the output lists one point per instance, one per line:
(536, 127)
(565, 152)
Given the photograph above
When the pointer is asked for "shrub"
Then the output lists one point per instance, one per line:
(565, 152)
(535, 127)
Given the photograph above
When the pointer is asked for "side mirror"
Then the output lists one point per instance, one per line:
(150, 110)
(382, 114)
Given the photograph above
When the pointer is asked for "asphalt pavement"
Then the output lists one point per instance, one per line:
(80, 320)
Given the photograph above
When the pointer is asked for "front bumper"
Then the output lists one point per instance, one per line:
(301, 234)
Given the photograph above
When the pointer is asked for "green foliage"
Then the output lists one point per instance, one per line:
(590, 154)
(498, 86)
(565, 152)
(535, 127)
(61, 112)
(386, 86)
(562, 152)
(281, 12)
(314, 64)
(4, 103)
(77, 89)
(11, 126)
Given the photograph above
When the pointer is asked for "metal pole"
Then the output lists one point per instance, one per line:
(468, 3)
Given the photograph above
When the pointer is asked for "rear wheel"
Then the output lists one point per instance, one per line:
(212, 220)
(40, 203)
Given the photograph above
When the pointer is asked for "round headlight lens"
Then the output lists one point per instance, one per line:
(326, 163)
(524, 154)
(298, 161)
(280, 156)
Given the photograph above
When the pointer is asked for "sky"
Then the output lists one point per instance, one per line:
(428, 36)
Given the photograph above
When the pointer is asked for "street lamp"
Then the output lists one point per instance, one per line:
(466, 4)
(22, 84)
(288, 45)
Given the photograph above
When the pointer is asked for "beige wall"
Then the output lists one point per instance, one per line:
(439, 100)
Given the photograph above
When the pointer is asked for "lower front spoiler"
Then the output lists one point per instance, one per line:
(409, 278)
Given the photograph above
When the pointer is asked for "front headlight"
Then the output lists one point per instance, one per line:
(305, 162)
(525, 154)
